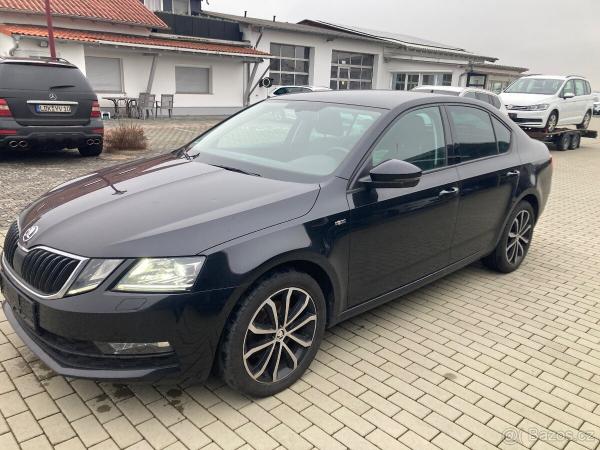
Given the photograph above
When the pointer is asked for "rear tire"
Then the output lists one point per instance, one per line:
(575, 141)
(586, 121)
(564, 142)
(266, 349)
(514, 243)
(91, 150)
(552, 122)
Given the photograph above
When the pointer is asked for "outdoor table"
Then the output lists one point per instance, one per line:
(125, 101)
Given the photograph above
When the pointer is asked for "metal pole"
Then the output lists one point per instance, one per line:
(50, 30)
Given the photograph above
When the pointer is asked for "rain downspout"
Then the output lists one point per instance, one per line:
(15, 47)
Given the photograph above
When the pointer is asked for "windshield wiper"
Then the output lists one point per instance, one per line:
(235, 169)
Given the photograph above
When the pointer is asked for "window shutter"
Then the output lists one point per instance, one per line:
(192, 80)
(104, 74)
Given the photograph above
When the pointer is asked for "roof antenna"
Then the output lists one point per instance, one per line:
(274, 17)
(245, 13)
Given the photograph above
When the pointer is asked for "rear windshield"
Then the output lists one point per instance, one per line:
(36, 77)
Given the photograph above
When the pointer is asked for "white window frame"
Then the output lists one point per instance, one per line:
(438, 78)
(210, 80)
(121, 89)
(336, 65)
(294, 72)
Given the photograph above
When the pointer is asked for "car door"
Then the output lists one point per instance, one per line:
(581, 101)
(489, 170)
(401, 235)
(568, 106)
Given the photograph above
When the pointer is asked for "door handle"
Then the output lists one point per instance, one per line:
(513, 173)
(448, 192)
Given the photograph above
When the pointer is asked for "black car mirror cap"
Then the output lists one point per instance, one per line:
(393, 173)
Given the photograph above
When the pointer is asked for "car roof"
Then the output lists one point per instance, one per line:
(384, 99)
(555, 77)
(458, 89)
(41, 61)
(314, 88)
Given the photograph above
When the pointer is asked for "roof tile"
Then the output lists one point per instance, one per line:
(120, 11)
(98, 38)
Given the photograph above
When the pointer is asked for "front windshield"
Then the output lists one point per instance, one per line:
(294, 140)
(542, 86)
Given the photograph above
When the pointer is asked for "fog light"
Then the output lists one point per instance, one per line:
(133, 348)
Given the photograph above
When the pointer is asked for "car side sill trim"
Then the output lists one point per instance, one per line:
(395, 294)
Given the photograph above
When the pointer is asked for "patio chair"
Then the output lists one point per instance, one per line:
(144, 105)
(166, 102)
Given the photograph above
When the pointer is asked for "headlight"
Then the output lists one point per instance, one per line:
(94, 273)
(542, 107)
(162, 275)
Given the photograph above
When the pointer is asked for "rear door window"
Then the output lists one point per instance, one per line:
(473, 132)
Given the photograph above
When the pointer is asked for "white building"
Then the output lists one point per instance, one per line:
(212, 62)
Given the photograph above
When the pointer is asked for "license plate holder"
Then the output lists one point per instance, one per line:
(26, 309)
(56, 109)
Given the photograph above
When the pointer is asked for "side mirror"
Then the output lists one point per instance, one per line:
(567, 95)
(393, 173)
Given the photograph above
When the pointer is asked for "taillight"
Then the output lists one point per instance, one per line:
(96, 112)
(4, 109)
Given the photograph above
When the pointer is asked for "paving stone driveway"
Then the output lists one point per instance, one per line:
(476, 360)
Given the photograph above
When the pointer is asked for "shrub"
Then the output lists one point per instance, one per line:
(126, 137)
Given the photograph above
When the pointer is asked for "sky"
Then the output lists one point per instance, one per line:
(555, 37)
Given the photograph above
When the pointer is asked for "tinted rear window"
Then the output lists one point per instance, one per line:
(42, 78)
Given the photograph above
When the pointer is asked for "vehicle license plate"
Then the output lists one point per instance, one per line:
(25, 308)
(53, 108)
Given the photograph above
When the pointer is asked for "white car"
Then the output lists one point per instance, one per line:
(283, 90)
(596, 102)
(479, 94)
(544, 101)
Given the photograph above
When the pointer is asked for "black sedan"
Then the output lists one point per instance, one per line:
(238, 250)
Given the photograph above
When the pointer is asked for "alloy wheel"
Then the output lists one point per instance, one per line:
(280, 335)
(586, 121)
(519, 237)
(552, 121)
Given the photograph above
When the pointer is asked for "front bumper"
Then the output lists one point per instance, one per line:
(49, 137)
(62, 332)
(529, 119)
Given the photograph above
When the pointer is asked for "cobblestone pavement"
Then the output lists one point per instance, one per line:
(476, 360)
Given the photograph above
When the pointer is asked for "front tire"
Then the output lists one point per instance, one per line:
(274, 335)
(514, 243)
(586, 121)
(552, 122)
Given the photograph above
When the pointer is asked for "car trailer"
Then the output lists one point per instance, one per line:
(562, 138)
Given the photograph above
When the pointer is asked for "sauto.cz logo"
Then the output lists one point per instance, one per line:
(31, 232)
(52, 96)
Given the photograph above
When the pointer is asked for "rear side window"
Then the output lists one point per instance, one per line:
(38, 77)
(496, 101)
(588, 88)
(503, 135)
(473, 132)
(470, 94)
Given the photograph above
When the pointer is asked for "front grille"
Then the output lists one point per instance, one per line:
(10, 242)
(47, 272)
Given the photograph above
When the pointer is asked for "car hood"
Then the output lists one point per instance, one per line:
(164, 206)
(525, 99)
